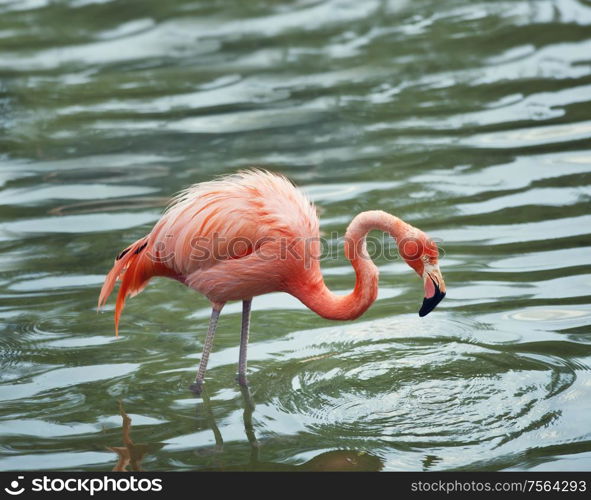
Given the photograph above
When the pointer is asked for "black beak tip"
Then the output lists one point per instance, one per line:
(431, 303)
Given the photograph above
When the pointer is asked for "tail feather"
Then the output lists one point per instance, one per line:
(133, 269)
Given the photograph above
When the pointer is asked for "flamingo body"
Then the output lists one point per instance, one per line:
(253, 233)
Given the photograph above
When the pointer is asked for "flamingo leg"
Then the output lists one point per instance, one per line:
(244, 342)
(197, 386)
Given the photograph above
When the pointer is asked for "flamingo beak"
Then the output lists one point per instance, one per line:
(434, 289)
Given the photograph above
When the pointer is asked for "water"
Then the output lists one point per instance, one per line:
(467, 119)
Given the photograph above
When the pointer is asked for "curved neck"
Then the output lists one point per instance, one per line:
(316, 295)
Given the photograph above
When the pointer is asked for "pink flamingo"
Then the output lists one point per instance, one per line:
(253, 233)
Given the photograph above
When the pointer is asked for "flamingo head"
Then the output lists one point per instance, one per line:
(421, 253)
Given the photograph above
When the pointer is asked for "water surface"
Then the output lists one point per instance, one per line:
(470, 120)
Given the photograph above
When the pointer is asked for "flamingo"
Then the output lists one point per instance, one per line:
(252, 233)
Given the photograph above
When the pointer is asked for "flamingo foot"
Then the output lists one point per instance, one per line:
(197, 387)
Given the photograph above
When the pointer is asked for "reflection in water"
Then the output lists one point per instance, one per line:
(130, 454)
(334, 460)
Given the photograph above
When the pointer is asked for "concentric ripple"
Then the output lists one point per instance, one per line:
(420, 393)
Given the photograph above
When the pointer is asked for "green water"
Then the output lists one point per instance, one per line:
(468, 119)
